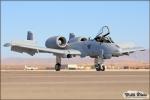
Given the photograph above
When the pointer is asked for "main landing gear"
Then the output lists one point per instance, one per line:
(99, 66)
(58, 63)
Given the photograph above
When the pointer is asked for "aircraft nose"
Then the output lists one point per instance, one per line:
(117, 51)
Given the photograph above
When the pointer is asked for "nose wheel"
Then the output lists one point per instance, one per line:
(99, 66)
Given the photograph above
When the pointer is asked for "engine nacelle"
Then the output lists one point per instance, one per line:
(56, 42)
(77, 39)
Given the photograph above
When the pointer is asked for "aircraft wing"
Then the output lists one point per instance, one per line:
(127, 51)
(31, 48)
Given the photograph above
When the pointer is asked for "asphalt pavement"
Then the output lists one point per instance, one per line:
(71, 84)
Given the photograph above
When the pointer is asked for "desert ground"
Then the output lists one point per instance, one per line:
(17, 83)
(71, 84)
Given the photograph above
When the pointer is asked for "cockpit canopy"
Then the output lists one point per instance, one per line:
(104, 39)
(103, 36)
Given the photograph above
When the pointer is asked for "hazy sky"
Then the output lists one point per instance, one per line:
(128, 21)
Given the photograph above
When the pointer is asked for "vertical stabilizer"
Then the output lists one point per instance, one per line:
(29, 35)
(71, 36)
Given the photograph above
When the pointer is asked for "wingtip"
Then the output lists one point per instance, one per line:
(7, 45)
(143, 50)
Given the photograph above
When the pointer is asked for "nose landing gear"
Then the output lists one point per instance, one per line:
(99, 66)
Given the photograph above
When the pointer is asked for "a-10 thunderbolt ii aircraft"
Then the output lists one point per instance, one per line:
(100, 48)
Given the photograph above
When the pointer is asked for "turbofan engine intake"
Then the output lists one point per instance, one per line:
(56, 42)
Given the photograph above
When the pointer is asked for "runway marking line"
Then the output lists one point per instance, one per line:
(74, 82)
(72, 70)
(87, 76)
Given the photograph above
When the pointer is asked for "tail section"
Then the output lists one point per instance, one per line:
(71, 36)
(29, 35)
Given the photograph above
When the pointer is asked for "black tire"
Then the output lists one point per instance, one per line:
(57, 67)
(97, 67)
(102, 67)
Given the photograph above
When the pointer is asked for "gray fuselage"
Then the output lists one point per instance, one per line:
(93, 49)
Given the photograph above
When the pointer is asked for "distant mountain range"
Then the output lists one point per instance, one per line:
(137, 57)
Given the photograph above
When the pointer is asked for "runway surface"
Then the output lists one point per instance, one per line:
(71, 84)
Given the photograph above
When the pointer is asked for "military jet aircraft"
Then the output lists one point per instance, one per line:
(100, 48)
